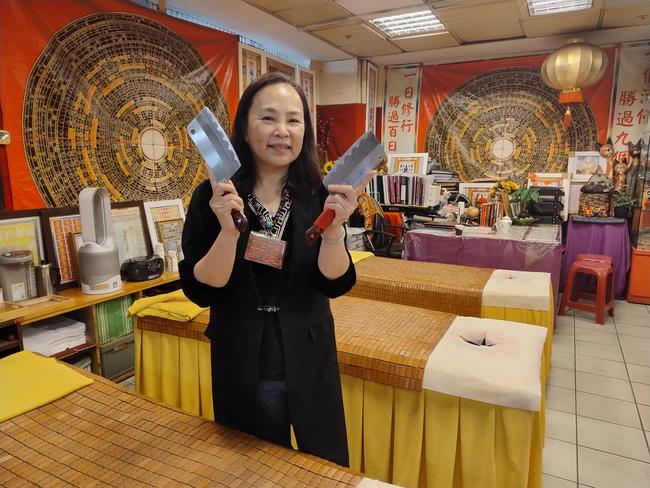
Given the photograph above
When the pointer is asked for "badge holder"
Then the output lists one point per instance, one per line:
(264, 249)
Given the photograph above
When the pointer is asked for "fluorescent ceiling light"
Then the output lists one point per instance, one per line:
(410, 24)
(543, 7)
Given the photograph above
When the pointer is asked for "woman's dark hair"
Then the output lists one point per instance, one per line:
(304, 176)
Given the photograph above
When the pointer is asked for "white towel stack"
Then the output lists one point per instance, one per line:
(54, 335)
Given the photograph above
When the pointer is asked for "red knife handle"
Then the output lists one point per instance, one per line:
(238, 218)
(322, 222)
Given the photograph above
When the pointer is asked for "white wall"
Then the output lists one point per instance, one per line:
(339, 82)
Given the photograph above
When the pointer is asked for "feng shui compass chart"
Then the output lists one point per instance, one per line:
(505, 124)
(107, 103)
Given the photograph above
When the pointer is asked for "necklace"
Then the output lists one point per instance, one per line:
(272, 225)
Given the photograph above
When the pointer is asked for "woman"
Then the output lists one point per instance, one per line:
(271, 329)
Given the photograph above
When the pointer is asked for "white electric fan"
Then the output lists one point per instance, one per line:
(99, 264)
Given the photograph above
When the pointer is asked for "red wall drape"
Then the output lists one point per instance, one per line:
(349, 123)
(26, 27)
(439, 81)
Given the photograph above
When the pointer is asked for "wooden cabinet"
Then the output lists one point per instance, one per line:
(638, 290)
(78, 306)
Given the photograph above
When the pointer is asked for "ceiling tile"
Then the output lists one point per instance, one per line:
(421, 43)
(484, 22)
(376, 48)
(275, 5)
(549, 25)
(348, 34)
(627, 16)
(361, 7)
(320, 12)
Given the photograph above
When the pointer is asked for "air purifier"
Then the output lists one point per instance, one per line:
(99, 264)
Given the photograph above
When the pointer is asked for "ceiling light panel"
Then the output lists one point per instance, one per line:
(544, 7)
(410, 24)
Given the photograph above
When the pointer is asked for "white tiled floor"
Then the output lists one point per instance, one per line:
(598, 401)
(129, 383)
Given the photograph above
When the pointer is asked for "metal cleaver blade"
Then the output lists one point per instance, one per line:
(362, 157)
(219, 155)
(213, 144)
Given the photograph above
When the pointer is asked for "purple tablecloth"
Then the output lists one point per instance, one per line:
(488, 252)
(601, 238)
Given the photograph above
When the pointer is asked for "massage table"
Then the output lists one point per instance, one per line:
(426, 404)
(517, 296)
(96, 433)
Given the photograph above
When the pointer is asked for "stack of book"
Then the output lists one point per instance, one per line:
(446, 179)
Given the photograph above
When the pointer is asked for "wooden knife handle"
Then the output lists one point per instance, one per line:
(240, 220)
(322, 222)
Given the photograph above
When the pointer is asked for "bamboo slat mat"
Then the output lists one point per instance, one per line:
(443, 287)
(105, 435)
(193, 329)
(386, 342)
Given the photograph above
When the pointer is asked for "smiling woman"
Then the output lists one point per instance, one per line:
(272, 339)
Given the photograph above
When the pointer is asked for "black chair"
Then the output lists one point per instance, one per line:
(381, 242)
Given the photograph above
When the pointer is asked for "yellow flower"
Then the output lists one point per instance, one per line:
(327, 167)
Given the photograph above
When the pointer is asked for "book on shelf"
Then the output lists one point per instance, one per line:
(412, 190)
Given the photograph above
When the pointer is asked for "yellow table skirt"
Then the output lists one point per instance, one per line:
(543, 318)
(410, 438)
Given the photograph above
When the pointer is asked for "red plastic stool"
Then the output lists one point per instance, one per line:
(604, 300)
(599, 258)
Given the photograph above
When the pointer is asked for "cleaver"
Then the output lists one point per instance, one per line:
(361, 158)
(213, 144)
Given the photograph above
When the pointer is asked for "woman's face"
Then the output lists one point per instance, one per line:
(276, 127)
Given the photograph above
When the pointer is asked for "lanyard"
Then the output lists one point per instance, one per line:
(272, 226)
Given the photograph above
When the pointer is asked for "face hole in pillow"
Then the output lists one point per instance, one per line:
(478, 340)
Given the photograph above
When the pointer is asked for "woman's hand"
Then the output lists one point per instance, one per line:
(343, 200)
(224, 200)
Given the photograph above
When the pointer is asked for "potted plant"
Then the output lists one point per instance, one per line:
(622, 204)
(525, 197)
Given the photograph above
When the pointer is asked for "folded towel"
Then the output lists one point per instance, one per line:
(172, 306)
(29, 381)
(358, 256)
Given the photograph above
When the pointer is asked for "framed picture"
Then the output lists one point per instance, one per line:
(308, 84)
(408, 163)
(159, 211)
(273, 65)
(371, 95)
(586, 163)
(22, 230)
(171, 231)
(474, 191)
(130, 230)
(59, 226)
(250, 62)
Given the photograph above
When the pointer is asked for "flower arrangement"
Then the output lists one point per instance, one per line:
(508, 185)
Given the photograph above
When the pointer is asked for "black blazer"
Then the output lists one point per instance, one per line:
(236, 326)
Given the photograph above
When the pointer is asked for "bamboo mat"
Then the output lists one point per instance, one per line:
(444, 287)
(193, 329)
(386, 342)
(379, 341)
(105, 435)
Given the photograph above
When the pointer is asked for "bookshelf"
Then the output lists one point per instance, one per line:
(75, 304)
